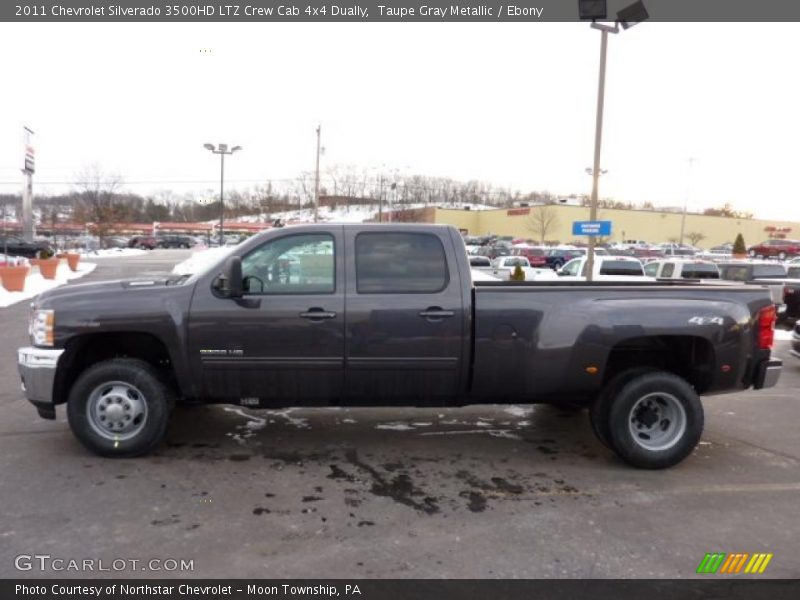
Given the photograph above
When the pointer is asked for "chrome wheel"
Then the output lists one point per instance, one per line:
(117, 410)
(657, 421)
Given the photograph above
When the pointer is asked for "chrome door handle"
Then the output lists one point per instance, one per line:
(436, 313)
(317, 314)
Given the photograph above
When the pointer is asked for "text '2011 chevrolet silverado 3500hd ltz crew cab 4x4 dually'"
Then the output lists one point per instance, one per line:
(371, 315)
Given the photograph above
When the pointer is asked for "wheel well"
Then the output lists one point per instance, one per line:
(87, 350)
(689, 357)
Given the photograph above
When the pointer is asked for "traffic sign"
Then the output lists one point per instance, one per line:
(591, 228)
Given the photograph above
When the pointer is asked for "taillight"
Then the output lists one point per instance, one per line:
(766, 327)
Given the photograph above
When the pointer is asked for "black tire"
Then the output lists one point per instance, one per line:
(781, 255)
(675, 429)
(752, 253)
(155, 393)
(601, 407)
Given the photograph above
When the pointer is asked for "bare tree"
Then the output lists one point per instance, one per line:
(98, 200)
(695, 237)
(542, 220)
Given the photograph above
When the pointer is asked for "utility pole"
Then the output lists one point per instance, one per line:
(598, 138)
(686, 198)
(316, 178)
(222, 150)
(27, 190)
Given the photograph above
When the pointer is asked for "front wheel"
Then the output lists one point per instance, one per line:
(654, 420)
(120, 408)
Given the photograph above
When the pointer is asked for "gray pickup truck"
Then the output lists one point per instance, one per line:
(370, 315)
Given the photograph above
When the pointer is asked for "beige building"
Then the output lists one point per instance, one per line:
(648, 225)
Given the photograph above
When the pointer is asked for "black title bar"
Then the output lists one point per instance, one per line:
(276, 11)
(387, 589)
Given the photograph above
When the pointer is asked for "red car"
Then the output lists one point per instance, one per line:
(781, 249)
(535, 256)
(146, 242)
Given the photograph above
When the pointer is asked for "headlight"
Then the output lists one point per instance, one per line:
(41, 327)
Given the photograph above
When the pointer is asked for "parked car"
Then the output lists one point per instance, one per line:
(682, 269)
(606, 268)
(115, 242)
(780, 249)
(480, 262)
(504, 266)
(348, 328)
(16, 246)
(536, 256)
(772, 274)
(146, 242)
(555, 258)
(175, 241)
(725, 249)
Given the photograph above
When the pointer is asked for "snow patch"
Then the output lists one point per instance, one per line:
(395, 426)
(519, 411)
(35, 284)
(783, 335)
(112, 253)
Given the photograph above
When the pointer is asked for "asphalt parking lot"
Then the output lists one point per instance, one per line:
(482, 491)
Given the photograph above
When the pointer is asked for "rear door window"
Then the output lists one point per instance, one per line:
(400, 263)
(668, 270)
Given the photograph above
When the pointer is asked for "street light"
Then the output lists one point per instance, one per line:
(627, 17)
(222, 150)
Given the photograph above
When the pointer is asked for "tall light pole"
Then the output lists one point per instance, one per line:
(222, 150)
(316, 178)
(686, 199)
(627, 17)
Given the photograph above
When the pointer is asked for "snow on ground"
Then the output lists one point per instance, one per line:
(781, 334)
(112, 253)
(352, 214)
(200, 260)
(35, 284)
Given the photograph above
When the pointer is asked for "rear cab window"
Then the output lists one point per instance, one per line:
(700, 271)
(621, 267)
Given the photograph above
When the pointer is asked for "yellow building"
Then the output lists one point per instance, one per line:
(649, 225)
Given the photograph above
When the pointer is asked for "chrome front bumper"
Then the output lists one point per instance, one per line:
(37, 369)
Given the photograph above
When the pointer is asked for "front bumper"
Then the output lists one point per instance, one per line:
(37, 369)
(767, 373)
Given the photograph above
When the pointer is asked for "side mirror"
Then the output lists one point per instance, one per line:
(229, 281)
(561, 273)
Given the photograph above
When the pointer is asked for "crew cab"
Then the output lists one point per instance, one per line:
(774, 275)
(606, 268)
(388, 314)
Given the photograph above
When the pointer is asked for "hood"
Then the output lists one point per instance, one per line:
(104, 290)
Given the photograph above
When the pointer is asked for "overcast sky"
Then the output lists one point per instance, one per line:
(511, 104)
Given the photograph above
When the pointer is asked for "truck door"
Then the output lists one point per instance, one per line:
(283, 341)
(405, 321)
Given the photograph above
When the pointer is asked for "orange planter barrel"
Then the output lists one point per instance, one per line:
(47, 267)
(73, 260)
(14, 277)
